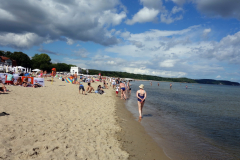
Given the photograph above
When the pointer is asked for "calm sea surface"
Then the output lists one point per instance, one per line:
(198, 123)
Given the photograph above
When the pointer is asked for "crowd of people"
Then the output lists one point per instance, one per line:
(120, 86)
(24, 82)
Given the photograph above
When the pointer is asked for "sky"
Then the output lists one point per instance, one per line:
(198, 39)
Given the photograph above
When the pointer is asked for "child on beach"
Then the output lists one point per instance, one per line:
(117, 89)
(81, 87)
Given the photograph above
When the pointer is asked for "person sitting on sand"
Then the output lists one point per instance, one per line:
(36, 85)
(105, 84)
(89, 88)
(25, 82)
(3, 89)
(19, 81)
(81, 87)
(100, 89)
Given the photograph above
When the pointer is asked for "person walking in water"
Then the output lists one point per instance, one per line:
(123, 90)
(141, 95)
(170, 85)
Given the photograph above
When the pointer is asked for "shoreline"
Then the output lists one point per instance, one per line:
(134, 138)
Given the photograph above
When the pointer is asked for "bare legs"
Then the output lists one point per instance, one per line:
(140, 107)
(123, 94)
(89, 89)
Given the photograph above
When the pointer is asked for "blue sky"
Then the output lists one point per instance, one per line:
(170, 38)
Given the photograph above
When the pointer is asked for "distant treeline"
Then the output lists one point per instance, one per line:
(156, 78)
(38, 61)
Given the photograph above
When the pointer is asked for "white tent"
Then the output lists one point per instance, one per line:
(16, 69)
(36, 70)
(7, 68)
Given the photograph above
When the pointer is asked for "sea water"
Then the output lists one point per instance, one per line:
(201, 122)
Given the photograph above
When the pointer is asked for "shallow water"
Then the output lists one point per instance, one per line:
(201, 122)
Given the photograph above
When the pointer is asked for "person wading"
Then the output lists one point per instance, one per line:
(141, 95)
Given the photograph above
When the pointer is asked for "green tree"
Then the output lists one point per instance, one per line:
(41, 61)
(21, 58)
(2, 53)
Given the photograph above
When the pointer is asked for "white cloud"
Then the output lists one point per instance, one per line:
(110, 17)
(150, 11)
(179, 2)
(126, 34)
(78, 20)
(144, 15)
(25, 40)
(218, 76)
(167, 63)
(156, 4)
(82, 52)
(167, 18)
(206, 31)
(176, 9)
(70, 41)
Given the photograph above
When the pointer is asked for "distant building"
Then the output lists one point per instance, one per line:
(75, 69)
(7, 61)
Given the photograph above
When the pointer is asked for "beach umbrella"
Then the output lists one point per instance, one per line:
(36, 70)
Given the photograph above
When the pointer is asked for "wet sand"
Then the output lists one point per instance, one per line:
(134, 138)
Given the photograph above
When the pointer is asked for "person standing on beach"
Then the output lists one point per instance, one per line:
(117, 89)
(10, 79)
(81, 87)
(75, 78)
(113, 82)
(123, 90)
(45, 74)
(129, 88)
(141, 95)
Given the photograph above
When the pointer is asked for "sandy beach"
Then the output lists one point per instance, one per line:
(56, 122)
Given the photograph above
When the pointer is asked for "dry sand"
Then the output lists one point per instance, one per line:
(56, 122)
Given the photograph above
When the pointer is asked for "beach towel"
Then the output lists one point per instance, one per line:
(68, 80)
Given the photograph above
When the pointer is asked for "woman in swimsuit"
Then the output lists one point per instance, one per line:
(141, 95)
(123, 92)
